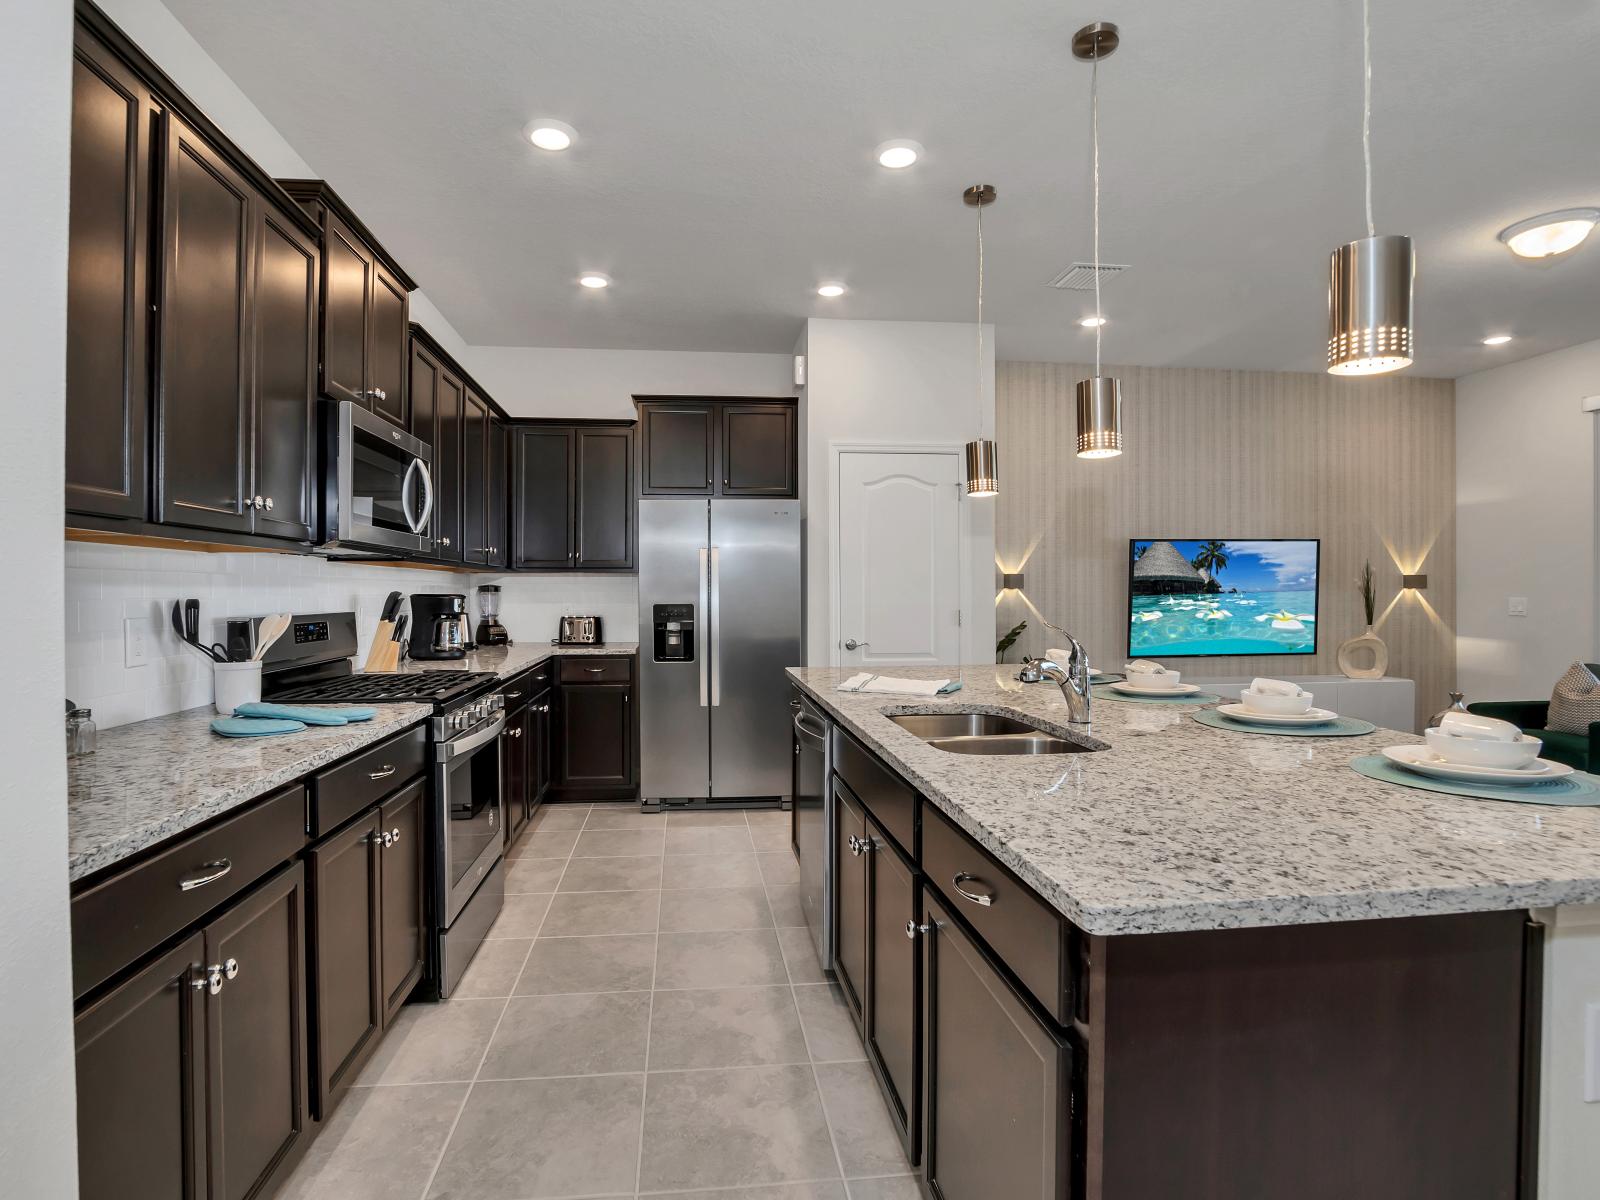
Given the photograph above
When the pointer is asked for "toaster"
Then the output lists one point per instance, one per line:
(580, 631)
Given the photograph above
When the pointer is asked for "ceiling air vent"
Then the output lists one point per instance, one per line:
(1079, 277)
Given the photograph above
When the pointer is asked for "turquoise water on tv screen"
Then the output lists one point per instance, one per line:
(1243, 622)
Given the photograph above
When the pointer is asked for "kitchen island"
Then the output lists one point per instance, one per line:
(1188, 962)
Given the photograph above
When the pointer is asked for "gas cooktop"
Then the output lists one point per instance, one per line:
(442, 689)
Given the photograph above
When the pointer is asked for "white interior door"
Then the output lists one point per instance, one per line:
(899, 560)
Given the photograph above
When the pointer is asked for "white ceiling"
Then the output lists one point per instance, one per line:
(725, 163)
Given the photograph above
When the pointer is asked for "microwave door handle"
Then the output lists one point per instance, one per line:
(427, 503)
(716, 628)
(705, 612)
(405, 496)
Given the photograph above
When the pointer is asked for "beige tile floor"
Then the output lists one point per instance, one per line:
(647, 1018)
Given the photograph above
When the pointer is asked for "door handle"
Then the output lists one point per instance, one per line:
(716, 627)
(705, 610)
(852, 644)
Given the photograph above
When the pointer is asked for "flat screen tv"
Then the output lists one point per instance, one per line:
(1205, 597)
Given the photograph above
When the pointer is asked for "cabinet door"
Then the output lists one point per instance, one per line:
(400, 889)
(677, 449)
(597, 735)
(256, 1036)
(758, 450)
(346, 1006)
(542, 497)
(605, 499)
(495, 479)
(447, 467)
(141, 1084)
(204, 431)
(539, 749)
(997, 1081)
(514, 771)
(285, 339)
(424, 401)
(389, 314)
(108, 284)
(890, 1024)
(850, 909)
(346, 300)
(474, 479)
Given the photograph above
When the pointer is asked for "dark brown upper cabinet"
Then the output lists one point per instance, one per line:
(366, 308)
(694, 446)
(475, 547)
(114, 121)
(572, 497)
(497, 480)
(284, 390)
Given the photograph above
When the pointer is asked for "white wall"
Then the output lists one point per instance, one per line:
(38, 1143)
(534, 381)
(533, 605)
(1525, 523)
(894, 381)
(1569, 1127)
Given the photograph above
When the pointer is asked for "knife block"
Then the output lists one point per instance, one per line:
(385, 652)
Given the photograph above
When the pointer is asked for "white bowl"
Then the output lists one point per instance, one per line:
(1476, 752)
(1276, 704)
(1155, 681)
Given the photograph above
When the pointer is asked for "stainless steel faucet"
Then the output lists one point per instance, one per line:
(1072, 679)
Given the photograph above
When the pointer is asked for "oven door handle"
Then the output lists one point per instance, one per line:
(449, 750)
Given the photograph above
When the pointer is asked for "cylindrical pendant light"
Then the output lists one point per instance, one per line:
(1099, 398)
(1369, 279)
(983, 467)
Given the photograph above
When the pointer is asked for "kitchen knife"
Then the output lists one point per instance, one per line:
(400, 627)
(391, 607)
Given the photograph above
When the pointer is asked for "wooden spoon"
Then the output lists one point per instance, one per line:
(272, 628)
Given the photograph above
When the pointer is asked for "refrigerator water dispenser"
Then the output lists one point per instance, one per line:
(674, 641)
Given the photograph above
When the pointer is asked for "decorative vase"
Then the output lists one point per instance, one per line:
(1458, 703)
(1368, 641)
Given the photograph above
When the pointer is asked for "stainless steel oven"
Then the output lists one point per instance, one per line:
(377, 485)
(471, 822)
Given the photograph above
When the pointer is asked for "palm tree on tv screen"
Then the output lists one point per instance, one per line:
(1211, 559)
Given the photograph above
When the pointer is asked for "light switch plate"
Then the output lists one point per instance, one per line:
(137, 635)
(1516, 606)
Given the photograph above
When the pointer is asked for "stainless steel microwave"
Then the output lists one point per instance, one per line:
(377, 485)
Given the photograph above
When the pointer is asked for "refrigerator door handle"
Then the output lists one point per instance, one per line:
(716, 627)
(704, 654)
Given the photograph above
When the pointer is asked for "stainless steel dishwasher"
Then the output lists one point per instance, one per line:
(811, 829)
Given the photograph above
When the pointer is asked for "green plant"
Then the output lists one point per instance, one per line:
(1369, 595)
(1008, 641)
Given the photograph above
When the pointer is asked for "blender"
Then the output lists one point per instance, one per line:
(490, 631)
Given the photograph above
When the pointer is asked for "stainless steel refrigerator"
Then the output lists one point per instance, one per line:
(719, 620)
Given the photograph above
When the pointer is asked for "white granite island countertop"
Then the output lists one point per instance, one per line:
(151, 780)
(506, 661)
(1178, 826)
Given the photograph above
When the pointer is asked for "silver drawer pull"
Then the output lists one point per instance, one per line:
(213, 872)
(859, 846)
(964, 877)
(230, 968)
(394, 835)
(595, 670)
(912, 929)
(383, 774)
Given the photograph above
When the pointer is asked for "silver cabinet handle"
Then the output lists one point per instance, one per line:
(859, 846)
(544, 708)
(444, 541)
(513, 695)
(269, 503)
(210, 979)
(213, 872)
(394, 836)
(964, 877)
(516, 733)
(912, 929)
(595, 670)
(383, 839)
(852, 644)
(383, 774)
(230, 968)
(257, 502)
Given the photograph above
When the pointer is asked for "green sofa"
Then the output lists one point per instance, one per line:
(1575, 749)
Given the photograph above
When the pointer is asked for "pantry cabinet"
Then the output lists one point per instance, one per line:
(692, 446)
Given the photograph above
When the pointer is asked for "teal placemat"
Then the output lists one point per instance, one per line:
(1105, 693)
(1576, 789)
(1339, 727)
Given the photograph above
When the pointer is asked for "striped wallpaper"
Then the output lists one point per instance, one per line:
(1366, 465)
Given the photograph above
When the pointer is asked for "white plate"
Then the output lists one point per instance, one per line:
(1312, 716)
(1421, 760)
(1127, 689)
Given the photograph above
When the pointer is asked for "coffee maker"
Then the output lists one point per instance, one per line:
(438, 626)
(490, 631)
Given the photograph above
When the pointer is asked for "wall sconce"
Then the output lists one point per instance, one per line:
(1414, 582)
(1011, 581)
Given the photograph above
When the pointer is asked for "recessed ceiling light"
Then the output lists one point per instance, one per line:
(830, 290)
(1092, 322)
(1550, 233)
(593, 279)
(1497, 339)
(548, 134)
(898, 154)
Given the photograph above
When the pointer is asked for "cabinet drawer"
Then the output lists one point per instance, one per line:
(524, 687)
(342, 791)
(120, 920)
(1024, 932)
(596, 670)
(886, 796)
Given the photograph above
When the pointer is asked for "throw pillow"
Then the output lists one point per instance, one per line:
(1576, 701)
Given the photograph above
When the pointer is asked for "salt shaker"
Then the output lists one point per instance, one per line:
(83, 736)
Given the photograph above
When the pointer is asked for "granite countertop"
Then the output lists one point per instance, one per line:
(506, 661)
(152, 780)
(1178, 826)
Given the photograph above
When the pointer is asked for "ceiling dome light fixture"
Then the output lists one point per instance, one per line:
(831, 290)
(983, 457)
(1099, 398)
(1497, 339)
(898, 154)
(1369, 279)
(549, 134)
(594, 280)
(1550, 233)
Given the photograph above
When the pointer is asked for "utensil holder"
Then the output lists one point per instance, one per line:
(236, 684)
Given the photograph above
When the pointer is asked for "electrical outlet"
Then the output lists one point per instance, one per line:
(138, 637)
(1516, 606)
(1591, 1053)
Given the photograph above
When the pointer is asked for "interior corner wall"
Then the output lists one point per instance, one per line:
(892, 382)
(1367, 466)
(1525, 523)
(38, 1142)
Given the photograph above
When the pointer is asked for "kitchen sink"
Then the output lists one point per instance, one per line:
(984, 733)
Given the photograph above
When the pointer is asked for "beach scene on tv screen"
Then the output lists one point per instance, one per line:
(1212, 597)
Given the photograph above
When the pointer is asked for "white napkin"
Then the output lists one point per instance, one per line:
(1274, 687)
(864, 682)
(1487, 729)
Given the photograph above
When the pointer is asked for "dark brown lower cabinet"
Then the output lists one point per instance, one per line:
(890, 1024)
(540, 749)
(400, 912)
(850, 878)
(514, 744)
(597, 735)
(997, 1080)
(345, 952)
